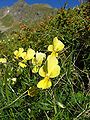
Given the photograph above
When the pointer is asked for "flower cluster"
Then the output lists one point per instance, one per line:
(24, 55)
(51, 69)
(48, 69)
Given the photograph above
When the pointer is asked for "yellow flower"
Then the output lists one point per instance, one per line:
(56, 47)
(37, 61)
(18, 53)
(23, 55)
(39, 58)
(22, 65)
(28, 55)
(45, 83)
(51, 70)
(3, 60)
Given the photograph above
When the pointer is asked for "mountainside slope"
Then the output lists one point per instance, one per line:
(21, 12)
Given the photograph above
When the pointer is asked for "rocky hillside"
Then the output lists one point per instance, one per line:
(25, 13)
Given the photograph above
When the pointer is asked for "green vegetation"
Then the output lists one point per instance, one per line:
(69, 96)
(7, 21)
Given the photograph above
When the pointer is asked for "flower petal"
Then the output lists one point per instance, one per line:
(18, 53)
(52, 60)
(51, 63)
(42, 72)
(55, 71)
(34, 61)
(50, 48)
(30, 54)
(15, 52)
(23, 55)
(45, 83)
(39, 57)
(21, 50)
(22, 64)
(58, 45)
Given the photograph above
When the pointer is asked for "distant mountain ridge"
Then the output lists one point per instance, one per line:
(23, 12)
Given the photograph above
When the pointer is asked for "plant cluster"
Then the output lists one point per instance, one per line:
(41, 82)
(50, 69)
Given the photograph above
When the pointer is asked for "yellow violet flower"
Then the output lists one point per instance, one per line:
(37, 61)
(56, 47)
(3, 60)
(28, 55)
(21, 64)
(18, 53)
(39, 58)
(52, 70)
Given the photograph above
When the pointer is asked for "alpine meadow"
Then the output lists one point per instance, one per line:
(44, 62)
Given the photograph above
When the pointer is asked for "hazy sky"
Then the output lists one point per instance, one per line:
(53, 3)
